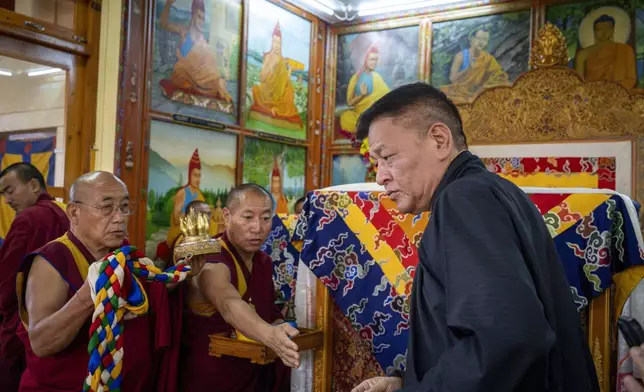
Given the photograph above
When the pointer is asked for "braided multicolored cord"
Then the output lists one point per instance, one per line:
(118, 291)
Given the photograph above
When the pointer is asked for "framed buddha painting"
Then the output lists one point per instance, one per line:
(195, 58)
(605, 39)
(277, 70)
(185, 164)
(469, 56)
(369, 64)
(278, 167)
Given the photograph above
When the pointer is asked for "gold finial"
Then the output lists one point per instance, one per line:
(195, 227)
(549, 49)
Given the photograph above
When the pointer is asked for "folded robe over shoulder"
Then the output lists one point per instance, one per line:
(200, 371)
(66, 371)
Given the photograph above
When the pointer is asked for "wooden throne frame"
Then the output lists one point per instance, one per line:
(552, 103)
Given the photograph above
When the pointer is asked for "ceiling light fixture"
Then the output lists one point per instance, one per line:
(383, 7)
(44, 72)
(5, 73)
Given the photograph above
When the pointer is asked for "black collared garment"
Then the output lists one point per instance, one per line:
(491, 309)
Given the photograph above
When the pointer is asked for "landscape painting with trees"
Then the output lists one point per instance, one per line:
(280, 168)
(186, 164)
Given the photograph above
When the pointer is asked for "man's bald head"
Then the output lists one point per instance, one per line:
(99, 210)
(89, 181)
(248, 215)
(199, 206)
(237, 195)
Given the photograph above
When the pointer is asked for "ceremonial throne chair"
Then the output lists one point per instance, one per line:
(577, 148)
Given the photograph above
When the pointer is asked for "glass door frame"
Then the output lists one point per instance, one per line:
(80, 62)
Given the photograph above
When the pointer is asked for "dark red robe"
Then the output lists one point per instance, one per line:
(31, 229)
(143, 336)
(201, 372)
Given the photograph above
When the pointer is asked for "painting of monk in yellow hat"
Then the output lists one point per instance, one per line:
(472, 55)
(279, 45)
(196, 58)
(600, 38)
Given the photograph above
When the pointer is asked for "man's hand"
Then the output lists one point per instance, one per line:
(196, 264)
(279, 340)
(379, 384)
(631, 384)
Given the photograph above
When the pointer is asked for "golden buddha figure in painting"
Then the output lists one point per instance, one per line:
(274, 96)
(605, 58)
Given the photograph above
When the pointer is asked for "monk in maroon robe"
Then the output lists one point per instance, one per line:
(55, 300)
(39, 219)
(234, 292)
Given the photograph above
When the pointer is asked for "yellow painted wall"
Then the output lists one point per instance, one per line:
(108, 74)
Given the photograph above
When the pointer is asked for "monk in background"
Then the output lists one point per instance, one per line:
(39, 219)
(365, 87)
(195, 71)
(474, 70)
(277, 190)
(234, 293)
(55, 299)
(607, 59)
(274, 96)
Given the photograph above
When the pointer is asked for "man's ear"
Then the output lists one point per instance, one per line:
(72, 210)
(34, 186)
(227, 216)
(442, 136)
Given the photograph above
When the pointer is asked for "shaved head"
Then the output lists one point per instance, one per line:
(248, 215)
(87, 182)
(237, 195)
(98, 211)
(199, 206)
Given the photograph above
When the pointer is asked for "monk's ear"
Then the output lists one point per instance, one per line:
(442, 136)
(227, 217)
(34, 186)
(72, 212)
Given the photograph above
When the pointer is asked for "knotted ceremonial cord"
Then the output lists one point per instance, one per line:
(119, 291)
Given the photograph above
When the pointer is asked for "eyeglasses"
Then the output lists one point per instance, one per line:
(126, 208)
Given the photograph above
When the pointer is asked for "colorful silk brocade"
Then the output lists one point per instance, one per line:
(284, 254)
(365, 251)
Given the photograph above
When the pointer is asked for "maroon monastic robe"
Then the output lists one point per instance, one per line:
(31, 229)
(65, 371)
(201, 372)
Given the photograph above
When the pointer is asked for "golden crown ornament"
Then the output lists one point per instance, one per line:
(196, 241)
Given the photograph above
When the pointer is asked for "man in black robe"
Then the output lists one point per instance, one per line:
(491, 309)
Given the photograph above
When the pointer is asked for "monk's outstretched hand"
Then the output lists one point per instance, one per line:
(631, 384)
(379, 384)
(279, 340)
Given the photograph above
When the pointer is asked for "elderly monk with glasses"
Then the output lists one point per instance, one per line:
(56, 303)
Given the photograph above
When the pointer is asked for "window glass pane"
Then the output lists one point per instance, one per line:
(32, 117)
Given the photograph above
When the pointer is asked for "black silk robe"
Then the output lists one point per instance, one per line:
(491, 309)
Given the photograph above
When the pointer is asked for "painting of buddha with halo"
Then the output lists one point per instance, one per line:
(195, 63)
(277, 70)
(601, 39)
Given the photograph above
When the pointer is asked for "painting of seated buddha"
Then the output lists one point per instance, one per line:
(277, 73)
(274, 96)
